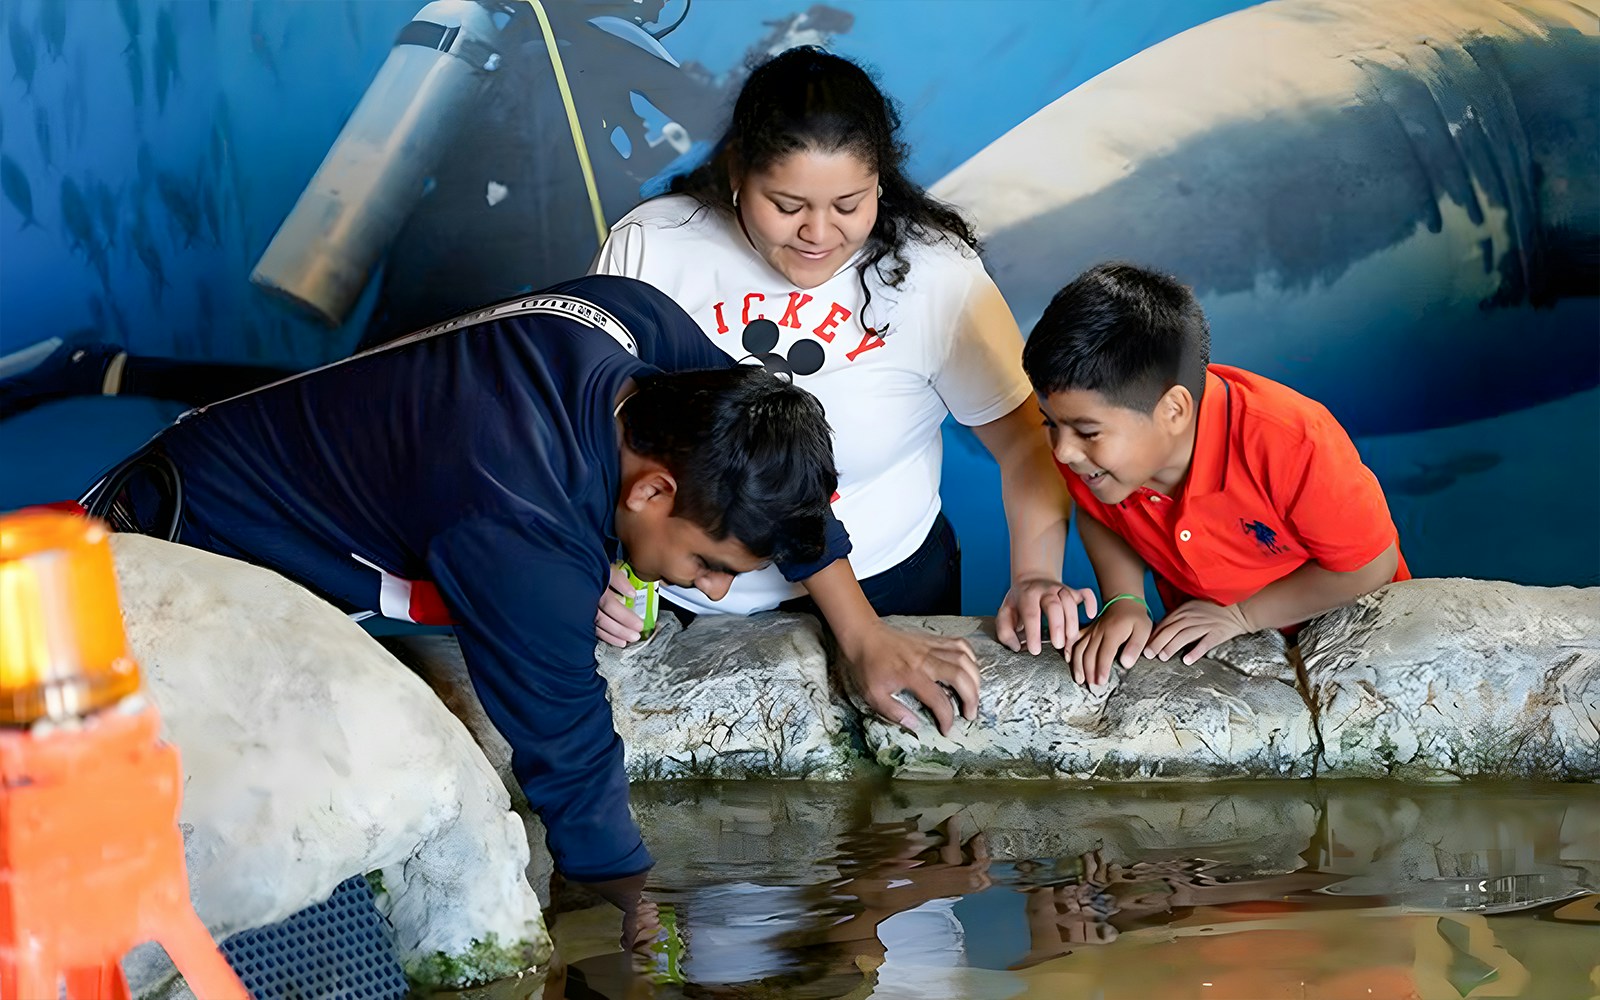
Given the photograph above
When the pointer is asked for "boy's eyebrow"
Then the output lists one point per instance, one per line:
(1074, 421)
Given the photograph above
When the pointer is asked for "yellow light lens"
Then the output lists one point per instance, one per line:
(63, 652)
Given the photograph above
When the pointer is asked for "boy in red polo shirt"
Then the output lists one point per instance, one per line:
(1246, 499)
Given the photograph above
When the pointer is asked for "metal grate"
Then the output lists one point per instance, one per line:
(335, 950)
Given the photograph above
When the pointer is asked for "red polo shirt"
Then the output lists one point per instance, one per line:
(1274, 483)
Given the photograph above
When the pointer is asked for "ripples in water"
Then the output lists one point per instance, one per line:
(935, 892)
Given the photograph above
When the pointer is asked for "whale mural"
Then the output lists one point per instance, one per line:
(1395, 208)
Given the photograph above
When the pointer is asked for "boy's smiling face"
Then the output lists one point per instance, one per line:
(1115, 450)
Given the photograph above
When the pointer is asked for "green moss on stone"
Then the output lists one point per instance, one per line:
(890, 756)
(482, 962)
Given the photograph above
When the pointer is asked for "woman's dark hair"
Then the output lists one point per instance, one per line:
(752, 455)
(807, 99)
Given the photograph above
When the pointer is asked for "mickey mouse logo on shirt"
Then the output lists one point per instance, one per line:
(760, 336)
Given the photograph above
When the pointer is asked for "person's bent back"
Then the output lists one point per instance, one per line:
(487, 473)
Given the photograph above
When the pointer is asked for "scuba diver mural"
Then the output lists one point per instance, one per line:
(1394, 209)
(538, 92)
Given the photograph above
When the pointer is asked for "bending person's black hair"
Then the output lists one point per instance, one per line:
(751, 454)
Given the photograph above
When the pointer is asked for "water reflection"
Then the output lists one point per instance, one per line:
(1022, 890)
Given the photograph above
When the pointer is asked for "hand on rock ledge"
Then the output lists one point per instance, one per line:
(1201, 626)
(1030, 603)
(938, 671)
(1120, 634)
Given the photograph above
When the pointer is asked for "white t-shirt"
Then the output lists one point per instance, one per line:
(950, 345)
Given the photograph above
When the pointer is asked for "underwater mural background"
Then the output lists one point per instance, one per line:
(1394, 208)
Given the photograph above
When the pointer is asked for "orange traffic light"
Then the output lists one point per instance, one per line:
(91, 856)
(63, 651)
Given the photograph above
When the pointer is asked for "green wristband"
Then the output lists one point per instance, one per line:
(1125, 597)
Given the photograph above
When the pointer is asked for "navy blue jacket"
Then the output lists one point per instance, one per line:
(473, 464)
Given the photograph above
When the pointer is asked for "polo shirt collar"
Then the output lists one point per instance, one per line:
(1213, 439)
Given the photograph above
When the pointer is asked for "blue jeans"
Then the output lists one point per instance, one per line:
(927, 582)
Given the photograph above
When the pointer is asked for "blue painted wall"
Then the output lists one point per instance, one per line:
(186, 130)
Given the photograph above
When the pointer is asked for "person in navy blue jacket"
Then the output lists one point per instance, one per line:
(486, 472)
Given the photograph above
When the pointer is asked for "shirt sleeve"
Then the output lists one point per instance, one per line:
(622, 253)
(1336, 507)
(981, 379)
(524, 600)
(674, 341)
(838, 546)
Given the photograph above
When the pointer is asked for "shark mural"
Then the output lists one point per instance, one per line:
(1393, 208)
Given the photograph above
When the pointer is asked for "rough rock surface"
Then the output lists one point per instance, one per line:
(1459, 678)
(311, 755)
(1511, 671)
(437, 660)
(1157, 720)
(731, 697)
(726, 698)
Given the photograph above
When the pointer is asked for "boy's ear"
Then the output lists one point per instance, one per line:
(1175, 408)
(654, 490)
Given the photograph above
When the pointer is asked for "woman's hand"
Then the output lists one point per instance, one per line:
(881, 660)
(1030, 602)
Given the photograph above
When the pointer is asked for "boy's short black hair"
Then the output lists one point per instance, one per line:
(1123, 331)
(752, 455)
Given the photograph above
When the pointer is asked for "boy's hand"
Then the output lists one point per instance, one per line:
(613, 622)
(1124, 628)
(884, 660)
(1029, 601)
(1200, 625)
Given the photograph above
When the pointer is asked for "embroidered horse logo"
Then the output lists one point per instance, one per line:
(1264, 536)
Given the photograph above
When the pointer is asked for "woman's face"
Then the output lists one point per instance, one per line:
(809, 212)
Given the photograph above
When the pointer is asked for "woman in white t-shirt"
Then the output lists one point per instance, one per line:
(801, 244)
